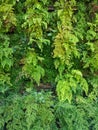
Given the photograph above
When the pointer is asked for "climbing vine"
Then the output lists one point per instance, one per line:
(48, 65)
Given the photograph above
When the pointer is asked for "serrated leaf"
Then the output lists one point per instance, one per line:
(63, 90)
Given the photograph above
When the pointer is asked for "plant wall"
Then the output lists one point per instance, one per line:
(48, 65)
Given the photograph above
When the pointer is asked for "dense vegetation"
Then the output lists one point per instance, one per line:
(48, 65)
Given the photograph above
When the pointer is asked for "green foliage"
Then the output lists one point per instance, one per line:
(75, 49)
(6, 62)
(31, 67)
(73, 84)
(77, 117)
(31, 111)
(50, 45)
